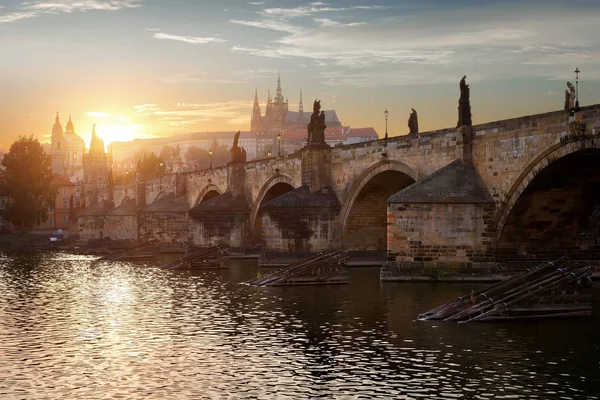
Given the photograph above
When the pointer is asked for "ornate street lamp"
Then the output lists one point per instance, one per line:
(279, 144)
(386, 113)
(210, 158)
(577, 89)
(160, 175)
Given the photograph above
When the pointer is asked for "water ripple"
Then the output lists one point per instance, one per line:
(76, 328)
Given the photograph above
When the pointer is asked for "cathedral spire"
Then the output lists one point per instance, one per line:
(57, 129)
(279, 94)
(97, 144)
(301, 106)
(255, 122)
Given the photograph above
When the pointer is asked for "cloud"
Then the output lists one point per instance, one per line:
(227, 77)
(312, 9)
(328, 22)
(96, 114)
(181, 114)
(32, 9)
(273, 25)
(435, 45)
(17, 16)
(189, 39)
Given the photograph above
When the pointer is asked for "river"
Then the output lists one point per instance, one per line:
(71, 327)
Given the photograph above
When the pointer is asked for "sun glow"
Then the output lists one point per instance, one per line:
(118, 133)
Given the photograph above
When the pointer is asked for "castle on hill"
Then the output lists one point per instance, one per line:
(278, 118)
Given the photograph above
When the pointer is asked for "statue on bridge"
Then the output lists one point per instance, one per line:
(316, 127)
(464, 104)
(570, 97)
(413, 122)
(238, 154)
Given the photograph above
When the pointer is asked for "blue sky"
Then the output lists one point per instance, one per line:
(156, 67)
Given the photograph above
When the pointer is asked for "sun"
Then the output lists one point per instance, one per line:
(118, 132)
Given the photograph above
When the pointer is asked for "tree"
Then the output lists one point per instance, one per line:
(27, 179)
(170, 155)
(149, 166)
(197, 157)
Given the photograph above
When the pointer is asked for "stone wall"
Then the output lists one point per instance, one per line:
(91, 227)
(124, 191)
(121, 227)
(166, 227)
(440, 235)
(300, 230)
(227, 228)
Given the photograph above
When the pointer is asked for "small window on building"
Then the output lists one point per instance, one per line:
(65, 191)
(51, 221)
(65, 204)
(65, 218)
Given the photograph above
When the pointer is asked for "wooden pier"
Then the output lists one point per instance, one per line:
(324, 268)
(552, 289)
(209, 258)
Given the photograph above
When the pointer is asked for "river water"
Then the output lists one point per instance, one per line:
(71, 327)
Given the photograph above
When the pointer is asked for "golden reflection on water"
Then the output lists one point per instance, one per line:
(76, 328)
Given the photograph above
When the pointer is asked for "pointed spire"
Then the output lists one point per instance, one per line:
(97, 144)
(279, 95)
(70, 128)
(301, 105)
(57, 130)
(255, 122)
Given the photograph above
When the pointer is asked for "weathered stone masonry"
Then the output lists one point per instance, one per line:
(506, 158)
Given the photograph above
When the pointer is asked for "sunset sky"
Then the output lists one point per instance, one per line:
(140, 68)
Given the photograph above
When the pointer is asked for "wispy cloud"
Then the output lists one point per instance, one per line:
(225, 77)
(189, 39)
(97, 114)
(182, 114)
(32, 9)
(433, 47)
(275, 25)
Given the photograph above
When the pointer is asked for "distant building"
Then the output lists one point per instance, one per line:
(63, 210)
(278, 128)
(66, 150)
(278, 118)
(97, 173)
(59, 216)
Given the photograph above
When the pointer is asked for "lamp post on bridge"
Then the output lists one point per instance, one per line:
(386, 113)
(577, 89)
(279, 144)
(210, 159)
(160, 175)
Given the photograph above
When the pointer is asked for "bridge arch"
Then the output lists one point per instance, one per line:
(550, 202)
(273, 187)
(208, 192)
(367, 198)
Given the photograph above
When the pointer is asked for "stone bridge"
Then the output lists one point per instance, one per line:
(520, 188)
